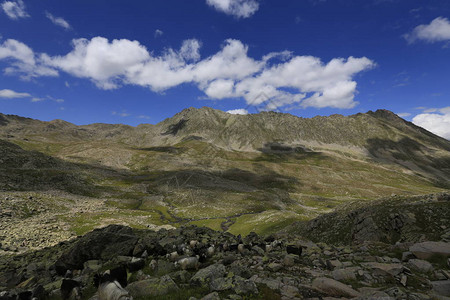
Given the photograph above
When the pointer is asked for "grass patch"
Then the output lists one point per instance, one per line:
(213, 224)
(263, 223)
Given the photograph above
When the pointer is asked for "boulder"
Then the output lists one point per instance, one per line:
(204, 276)
(441, 287)
(420, 265)
(294, 249)
(333, 264)
(67, 286)
(382, 268)
(274, 267)
(221, 284)
(426, 250)
(152, 287)
(344, 274)
(135, 264)
(212, 296)
(243, 286)
(105, 243)
(334, 288)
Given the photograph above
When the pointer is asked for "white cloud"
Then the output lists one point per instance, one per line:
(190, 50)
(120, 114)
(438, 123)
(99, 60)
(37, 99)
(10, 94)
(24, 61)
(143, 117)
(237, 8)
(438, 30)
(403, 115)
(15, 9)
(58, 21)
(283, 78)
(239, 111)
(158, 33)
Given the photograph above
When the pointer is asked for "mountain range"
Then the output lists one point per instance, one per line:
(236, 173)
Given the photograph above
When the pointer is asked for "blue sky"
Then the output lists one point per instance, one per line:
(143, 61)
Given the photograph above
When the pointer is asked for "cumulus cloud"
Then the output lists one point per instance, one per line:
(237, 8)
(438, 123)
(438, 30)
(99, 60)
(239, 111)
(23, 60)
(10, 94)
(58, 21)
(15, 9)
(281, 77)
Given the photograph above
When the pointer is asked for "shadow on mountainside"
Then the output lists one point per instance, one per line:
(174, 128)
(278, 152)
(412, 155)
(23, 170)
(233, 180)
(164, 149)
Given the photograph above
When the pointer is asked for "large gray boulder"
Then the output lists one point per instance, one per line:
(204, 276)
(420, 265)
(426, 250)
(334, 288)
(105, 244)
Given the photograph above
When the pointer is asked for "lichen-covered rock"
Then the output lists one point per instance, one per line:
(243, 286)
(204, 276)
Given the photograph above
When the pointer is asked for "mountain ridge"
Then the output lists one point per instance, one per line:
(380, 135)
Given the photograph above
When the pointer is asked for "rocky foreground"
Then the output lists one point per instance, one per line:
(199, 263)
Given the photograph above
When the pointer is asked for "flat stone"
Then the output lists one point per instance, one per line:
(426, 250)
(344, 274)
(392, 269)
(335, 288)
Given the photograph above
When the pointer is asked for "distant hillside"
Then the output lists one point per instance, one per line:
(236, 173)
(381, 135)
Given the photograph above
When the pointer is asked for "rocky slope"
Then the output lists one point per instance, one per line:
(199, 263)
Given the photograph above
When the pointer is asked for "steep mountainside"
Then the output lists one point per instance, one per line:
(379, 135)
